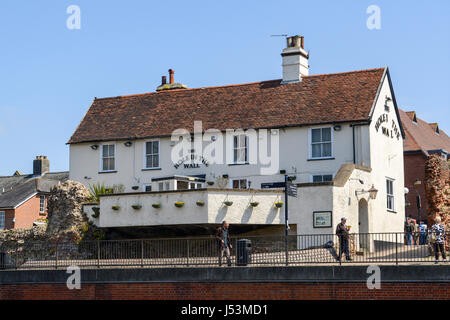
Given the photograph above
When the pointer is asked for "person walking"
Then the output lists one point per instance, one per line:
(409, 228)
(415, 231)
(438, 237)
(423, 228)
(224, 242)
(343, 235)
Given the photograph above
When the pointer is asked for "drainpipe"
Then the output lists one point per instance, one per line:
(353, 139)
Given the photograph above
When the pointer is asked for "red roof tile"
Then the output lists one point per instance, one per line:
(421, 135)
(316, 99)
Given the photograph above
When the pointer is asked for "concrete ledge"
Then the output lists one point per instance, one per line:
(419, 273)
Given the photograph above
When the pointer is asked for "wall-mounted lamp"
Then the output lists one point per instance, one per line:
(282, 171)
(337, 127)
(417, 182)
(225, 176)
(94, 147)
(128, 144)
(372, 192)
(291, 178)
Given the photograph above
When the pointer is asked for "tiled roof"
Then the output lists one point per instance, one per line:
(421, 135)
(15, 189)
(328, 98)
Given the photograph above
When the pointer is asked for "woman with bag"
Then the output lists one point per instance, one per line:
(438, 237)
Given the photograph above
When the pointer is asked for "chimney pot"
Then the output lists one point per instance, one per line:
(171, 78)
(163, 80)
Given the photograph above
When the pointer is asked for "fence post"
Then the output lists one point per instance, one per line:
(98, 253)
(56, 255)
(396, 249)
(142, 253)
(187, 258)
(17, 255)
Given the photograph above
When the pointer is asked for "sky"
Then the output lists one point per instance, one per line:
(50, 73)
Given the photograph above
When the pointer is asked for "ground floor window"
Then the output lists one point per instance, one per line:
(42, 204)
(2, 220)
(239, 184)
(164, 186)
(147, 187)
(390, 194)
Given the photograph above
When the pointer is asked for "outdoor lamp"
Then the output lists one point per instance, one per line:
(94, 147)
(373, 193)
(128, 144)
(417, 182)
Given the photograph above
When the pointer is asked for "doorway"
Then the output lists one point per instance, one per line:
(363, 224)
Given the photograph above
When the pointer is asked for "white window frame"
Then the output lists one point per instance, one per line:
(390, 196)
(239, 179)
(152, 154)
(311, 143)
(237, 148)
(41, 207)
(115, 157)
(321, 174)
(2, 220)
(145, 185)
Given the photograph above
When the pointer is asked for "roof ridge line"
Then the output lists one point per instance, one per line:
(342, 73)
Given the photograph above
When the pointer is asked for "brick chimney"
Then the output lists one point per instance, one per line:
(41, 165)
(172, 84)
(295, 60)
(171, 76)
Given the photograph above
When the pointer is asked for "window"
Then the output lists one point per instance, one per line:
(240, 149)
(321, 143)
(164, 186)
(195, 185)
(322, 177)
(239, 184)
(147, 187)
(152, 154)
(108, 157)
(42, 204)
(390, 194)
(2, 220)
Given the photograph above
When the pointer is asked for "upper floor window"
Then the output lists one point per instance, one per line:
(240, 149)
(390, 194)
(152, 154)
(42, 204)
(2, 220)
(321, 143)
(108, 157)
(322, 177)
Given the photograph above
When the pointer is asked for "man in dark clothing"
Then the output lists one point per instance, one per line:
(342, 233)
(224, 242)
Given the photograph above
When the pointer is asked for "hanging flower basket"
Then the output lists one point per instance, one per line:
(254, 203)
(210, 183)
(279, 204)
(115, 207)
(96, 212)
(179, 204)
(228, 203)
(200, 203)
(135, 187)
(156, 205)
(136, 206)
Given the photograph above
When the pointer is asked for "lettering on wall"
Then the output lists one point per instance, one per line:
(391, 132)
(191, 161)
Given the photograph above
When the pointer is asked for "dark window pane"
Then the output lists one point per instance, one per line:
(326, 134)
(315, 135)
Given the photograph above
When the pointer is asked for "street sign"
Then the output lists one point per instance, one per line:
(291, 189)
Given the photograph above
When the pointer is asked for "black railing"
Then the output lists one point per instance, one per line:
(373, 248)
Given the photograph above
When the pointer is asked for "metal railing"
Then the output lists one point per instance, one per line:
(363, 248)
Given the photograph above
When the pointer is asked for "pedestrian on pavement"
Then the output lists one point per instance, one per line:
(342, 231)
(409, 229)
(423, 228)
(224, 242)
(438, 237)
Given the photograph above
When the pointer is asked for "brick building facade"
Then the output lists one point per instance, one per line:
(23, 198)
(422, 139)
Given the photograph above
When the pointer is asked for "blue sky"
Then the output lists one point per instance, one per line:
(50, 74)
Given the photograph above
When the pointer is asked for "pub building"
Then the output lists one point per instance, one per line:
(190, 158)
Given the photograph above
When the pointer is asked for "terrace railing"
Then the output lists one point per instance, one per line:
(364, 248)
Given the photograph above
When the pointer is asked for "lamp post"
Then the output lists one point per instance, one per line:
(418, 202)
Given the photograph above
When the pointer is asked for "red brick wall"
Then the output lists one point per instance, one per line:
(28, 213)
(414, 165)
(228, 291)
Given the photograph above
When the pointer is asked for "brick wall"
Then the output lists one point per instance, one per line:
(415, 169)
(229, 291)
(28, 213)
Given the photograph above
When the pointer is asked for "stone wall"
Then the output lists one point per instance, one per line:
(437, 188)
